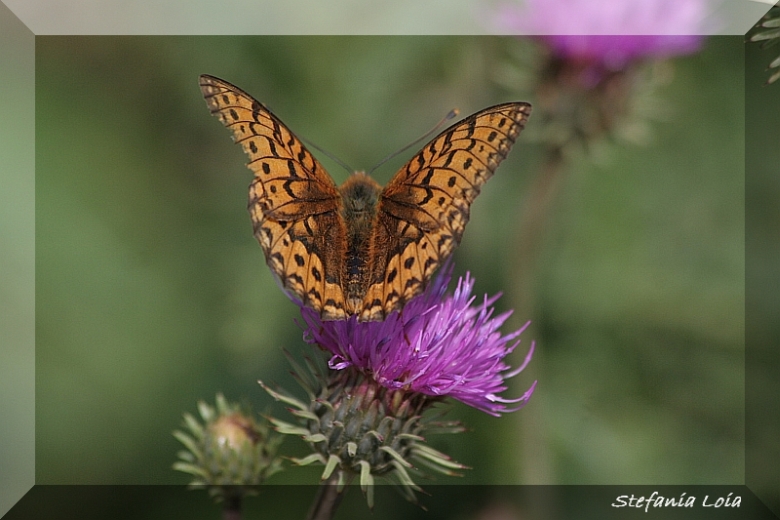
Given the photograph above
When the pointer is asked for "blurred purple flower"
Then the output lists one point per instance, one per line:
(437, 345)
(613, 32)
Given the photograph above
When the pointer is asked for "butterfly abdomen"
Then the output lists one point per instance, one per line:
(360, 196)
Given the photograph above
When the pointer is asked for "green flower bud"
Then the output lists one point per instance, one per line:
(230, 452)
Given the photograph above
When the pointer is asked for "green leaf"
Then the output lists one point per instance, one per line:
(436, 467)
(397, 456)
(289, 429)
(426, 452)
(765, 35)
(309, 459)
(305, 414)
(333, 462)
(191, 469)
(284, 398)
(317, 437)
(352, 448)
(403, 477)
(370, 497)
(367, 482)
(206, 411)
(378, 436)
(410, 436)
(186, 456)
(774, 22)
(193, 425)
(365, 475)
(188, 442)
(222, 405)
(302, 376)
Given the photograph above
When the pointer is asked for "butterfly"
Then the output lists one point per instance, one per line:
(360, 249)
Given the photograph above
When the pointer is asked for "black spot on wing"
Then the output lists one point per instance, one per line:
(291, 167)
(287, 185)
(411, 282)
(330, 302)
(295, 277)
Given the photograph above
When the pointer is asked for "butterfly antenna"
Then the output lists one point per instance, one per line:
(451, 115)
(328, 154)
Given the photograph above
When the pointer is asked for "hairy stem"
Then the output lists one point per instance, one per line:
(232, 507)
(328, 498)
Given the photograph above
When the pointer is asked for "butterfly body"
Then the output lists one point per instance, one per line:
(360, 197)
(360, 249)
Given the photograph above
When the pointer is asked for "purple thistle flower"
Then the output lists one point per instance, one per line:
(613, 32)
(437, 345)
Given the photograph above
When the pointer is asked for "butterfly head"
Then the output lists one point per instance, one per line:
(360, 194)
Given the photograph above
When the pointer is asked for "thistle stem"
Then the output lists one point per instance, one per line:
(535, 216)
(232, 507)
(328, 498)
(542, 198)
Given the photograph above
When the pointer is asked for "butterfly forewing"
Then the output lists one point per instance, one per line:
(294, 204)
(294, 183)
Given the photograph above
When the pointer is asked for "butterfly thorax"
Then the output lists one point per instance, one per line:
(360, 198)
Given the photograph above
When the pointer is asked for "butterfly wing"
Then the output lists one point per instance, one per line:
(425, 207)
(294, 204)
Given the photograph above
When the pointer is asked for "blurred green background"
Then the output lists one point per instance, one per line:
(152, 293)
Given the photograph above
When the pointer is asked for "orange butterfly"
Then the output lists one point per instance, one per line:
(360, 249)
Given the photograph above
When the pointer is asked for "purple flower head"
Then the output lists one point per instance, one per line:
(613, 32)
(438, 345)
